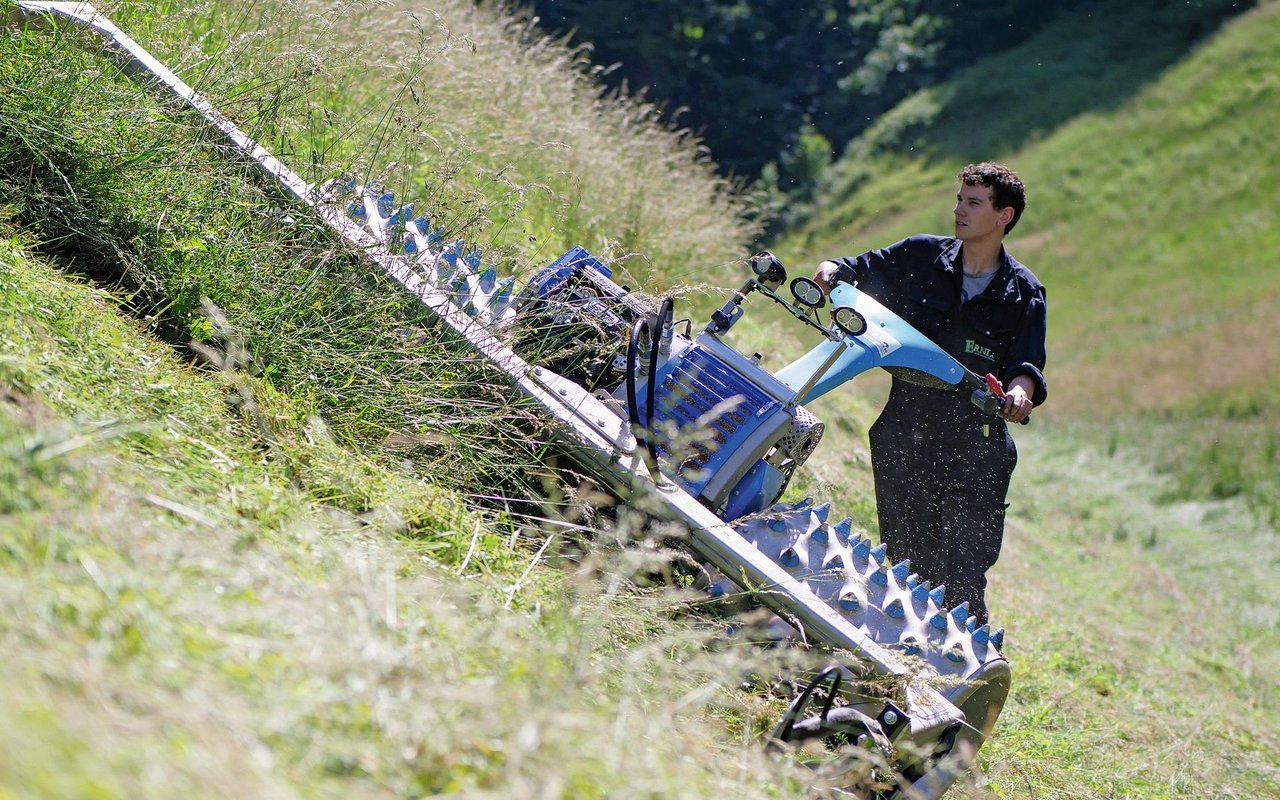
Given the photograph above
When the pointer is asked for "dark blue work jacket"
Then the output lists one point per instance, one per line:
(1000, 331)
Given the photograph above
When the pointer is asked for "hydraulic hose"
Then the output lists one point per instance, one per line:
(782, 731)
(640, 429)
(666, 313)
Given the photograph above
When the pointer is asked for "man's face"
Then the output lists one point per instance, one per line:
(976, 214)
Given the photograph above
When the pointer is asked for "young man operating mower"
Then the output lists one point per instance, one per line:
(942, 468)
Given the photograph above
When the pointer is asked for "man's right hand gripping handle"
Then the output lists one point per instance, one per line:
(825, 275)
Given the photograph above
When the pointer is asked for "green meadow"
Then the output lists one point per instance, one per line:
(266, 531)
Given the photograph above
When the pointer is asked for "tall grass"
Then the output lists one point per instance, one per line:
(181, 616)
(467, 110)
(489, 129)
(144, 204)
(226, 565)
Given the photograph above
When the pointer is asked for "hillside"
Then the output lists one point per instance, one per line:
(265, 531)
(1152, 222)
(1163, 195)
(1147, 485)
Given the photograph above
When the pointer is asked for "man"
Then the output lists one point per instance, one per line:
(941, 467)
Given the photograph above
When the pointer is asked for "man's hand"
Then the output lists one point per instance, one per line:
(1017, 402)
(825, 275)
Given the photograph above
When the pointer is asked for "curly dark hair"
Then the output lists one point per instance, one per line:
(1007, 190)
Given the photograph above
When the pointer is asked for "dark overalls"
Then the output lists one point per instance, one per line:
(942, 468)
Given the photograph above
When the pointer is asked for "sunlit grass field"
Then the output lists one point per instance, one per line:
(273, 565)
(1141, 552)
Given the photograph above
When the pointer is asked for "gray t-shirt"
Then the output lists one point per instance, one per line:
(974, 286)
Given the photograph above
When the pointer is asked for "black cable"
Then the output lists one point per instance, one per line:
(666, 312)
(832, 673)
(639, 328)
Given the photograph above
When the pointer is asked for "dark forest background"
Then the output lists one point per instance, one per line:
(776, 81)
(776, 89)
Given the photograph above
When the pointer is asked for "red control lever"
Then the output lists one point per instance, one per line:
(993, 383)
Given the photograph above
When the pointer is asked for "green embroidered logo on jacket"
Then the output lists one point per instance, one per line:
(970, 346)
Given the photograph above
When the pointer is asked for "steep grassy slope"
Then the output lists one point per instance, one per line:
(239, 575)
(1152, 222)
(499, 132)
(141, 201)
(249, 581)
(186, 610)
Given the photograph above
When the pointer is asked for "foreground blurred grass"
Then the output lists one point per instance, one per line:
(181, 616)
(244, 581)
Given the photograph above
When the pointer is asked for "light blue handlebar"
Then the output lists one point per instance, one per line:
(889, 341)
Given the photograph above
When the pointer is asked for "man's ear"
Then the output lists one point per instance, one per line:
(1006, 216)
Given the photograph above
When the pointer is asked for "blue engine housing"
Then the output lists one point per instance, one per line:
(723, 428)
(720, 421)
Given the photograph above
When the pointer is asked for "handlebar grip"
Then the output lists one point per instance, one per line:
(995, 390)
(987, 402)
(990, 404)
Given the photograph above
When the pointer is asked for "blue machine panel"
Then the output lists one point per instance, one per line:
(888, 342)
(552, 276)
(690, 386)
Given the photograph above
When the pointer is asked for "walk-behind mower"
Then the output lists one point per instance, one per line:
(682, 425)
(711, 423)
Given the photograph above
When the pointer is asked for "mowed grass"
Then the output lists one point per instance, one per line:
(1140, 562)
(1144, 633)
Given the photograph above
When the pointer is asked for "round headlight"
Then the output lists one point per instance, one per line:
(849, 321)
(768, 269)
(808, 293)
